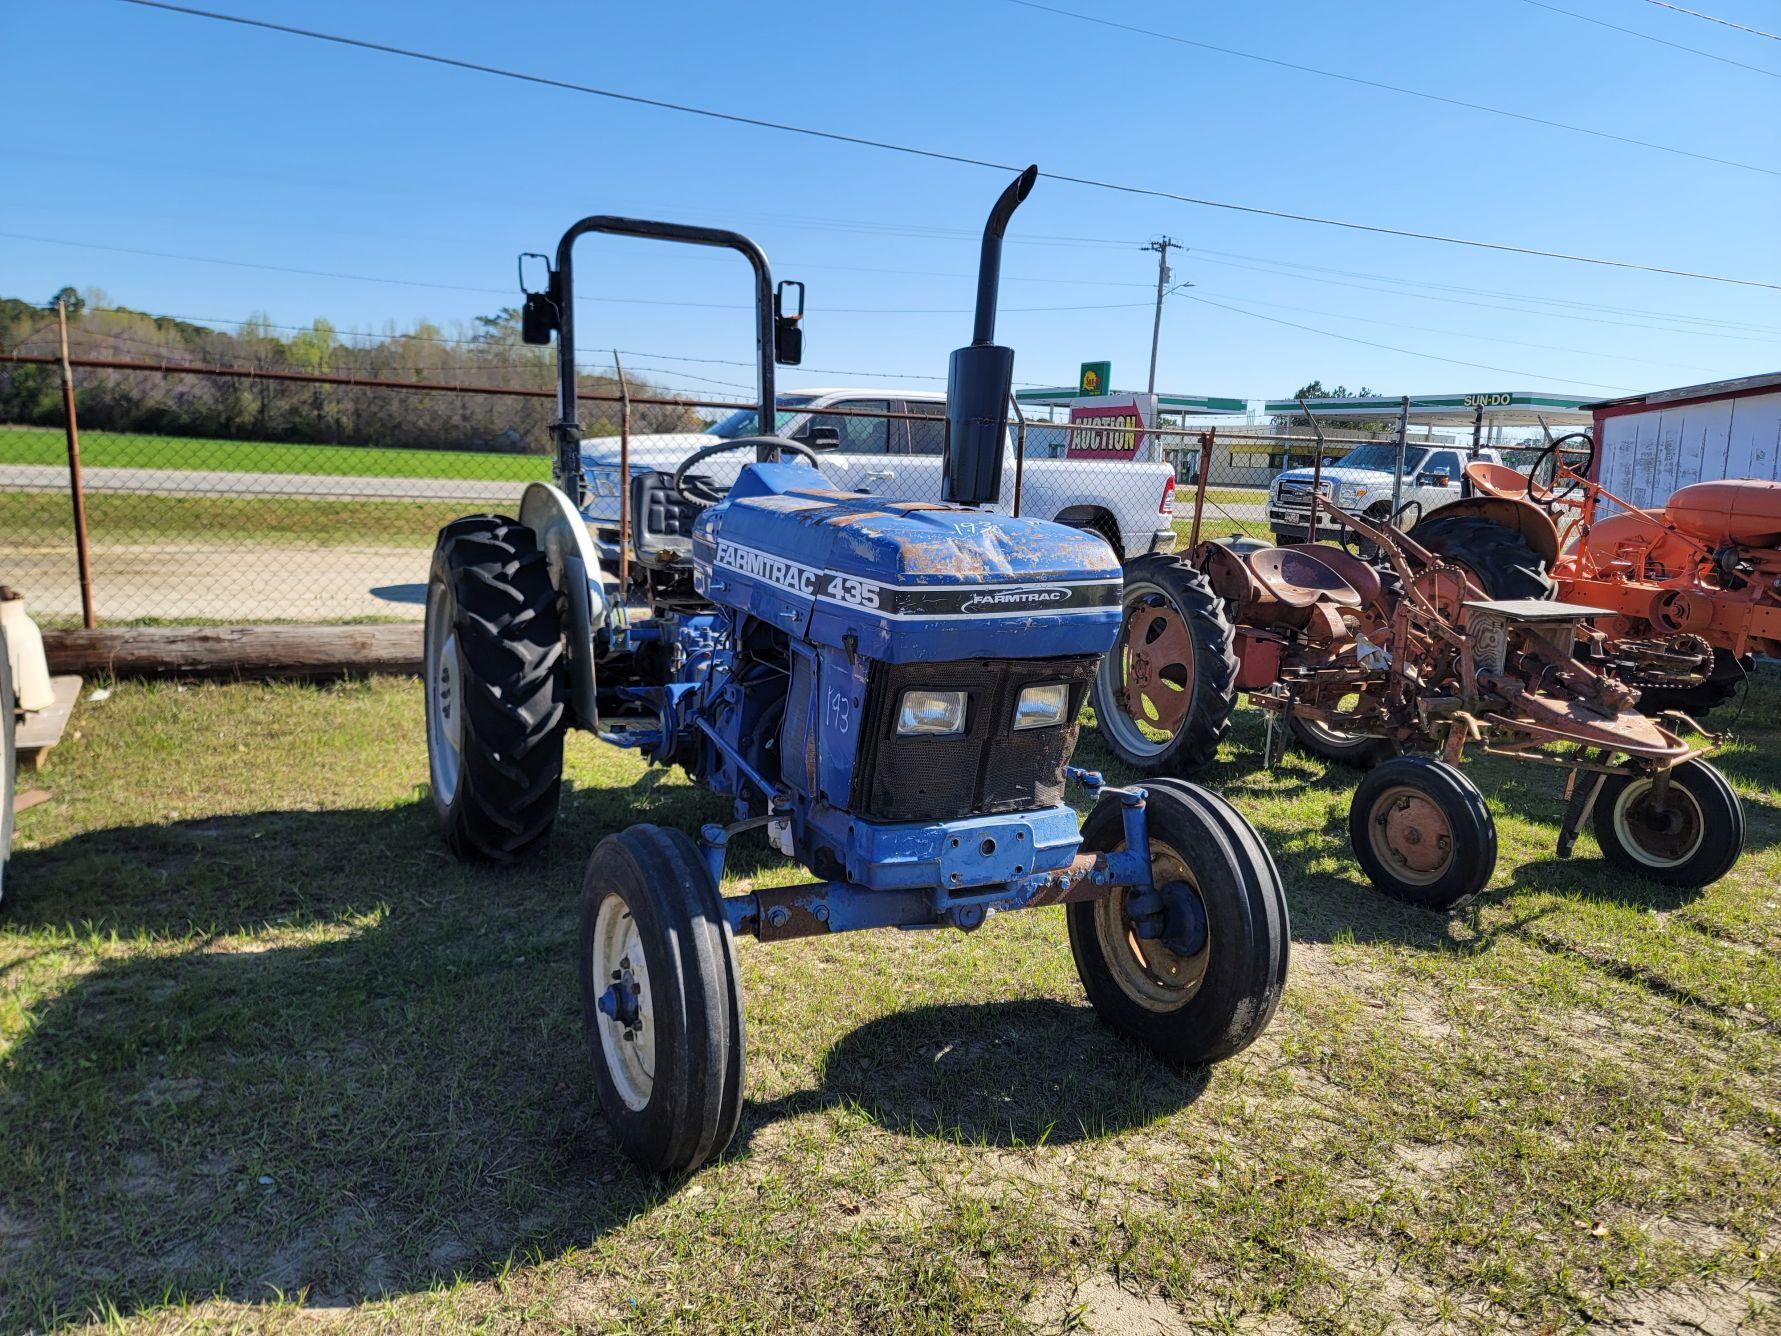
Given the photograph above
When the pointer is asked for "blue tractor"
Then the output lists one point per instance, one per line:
(887, 691)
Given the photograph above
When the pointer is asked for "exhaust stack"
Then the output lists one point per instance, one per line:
(981, 376)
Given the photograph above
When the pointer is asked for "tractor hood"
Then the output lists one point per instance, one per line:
(904, 581)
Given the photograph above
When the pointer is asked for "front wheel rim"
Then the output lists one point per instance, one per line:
(445, 706)
(1149, 685)
(1144, 969)
(1411, 836)
(623, 1006)
(1659, 837)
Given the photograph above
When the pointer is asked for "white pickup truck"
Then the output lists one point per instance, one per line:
(1360, 482)
(1130, 504)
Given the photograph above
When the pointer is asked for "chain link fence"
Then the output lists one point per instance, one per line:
(273, 495)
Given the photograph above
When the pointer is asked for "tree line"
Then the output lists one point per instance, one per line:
(190, 403)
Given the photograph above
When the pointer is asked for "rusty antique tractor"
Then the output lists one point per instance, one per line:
(1446, 639)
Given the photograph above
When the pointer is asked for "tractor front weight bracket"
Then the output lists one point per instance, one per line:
(814, 909)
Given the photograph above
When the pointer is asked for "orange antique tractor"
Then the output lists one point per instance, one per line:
(1706, 567)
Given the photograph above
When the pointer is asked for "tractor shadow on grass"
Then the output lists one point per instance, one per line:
(346, 1067)
(1017, 1074)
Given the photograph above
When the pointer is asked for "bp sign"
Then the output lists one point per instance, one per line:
(1096, 378)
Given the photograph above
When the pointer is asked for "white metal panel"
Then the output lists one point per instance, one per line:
(1647, 456)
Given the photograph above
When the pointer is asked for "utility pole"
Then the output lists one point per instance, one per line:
(1161, 246)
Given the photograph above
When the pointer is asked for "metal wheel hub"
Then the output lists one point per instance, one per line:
(1662, 834)
(1411, 835)
(1157, 945)
(626, 1016)
(1149, 674)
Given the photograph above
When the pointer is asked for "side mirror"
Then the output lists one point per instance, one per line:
(788, 329)
(538, 320)
(542, 314)
(1433, 479)
(823, 438)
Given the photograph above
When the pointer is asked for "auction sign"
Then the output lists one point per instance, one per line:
(1112, 426)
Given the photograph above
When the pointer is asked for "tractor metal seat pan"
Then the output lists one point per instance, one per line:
(1536, 609)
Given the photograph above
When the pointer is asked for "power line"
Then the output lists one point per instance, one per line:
(939, 156)
(1648, 37)
(1494, 306)
(1408, 352)
(1466, 334)
(1393, 88)
(503, 292)
(1713, 18)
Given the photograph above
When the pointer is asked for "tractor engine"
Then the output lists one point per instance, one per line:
(902, 754)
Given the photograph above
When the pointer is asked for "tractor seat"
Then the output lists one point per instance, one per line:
(1501, 480)
(1294, 577)
(661, 521)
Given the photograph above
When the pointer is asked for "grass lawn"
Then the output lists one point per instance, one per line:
(31, 519)
(105, 449)
(264, 1049)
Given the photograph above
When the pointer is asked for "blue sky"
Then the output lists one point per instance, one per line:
(150, 131)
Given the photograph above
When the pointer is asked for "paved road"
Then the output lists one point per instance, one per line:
(309, 486)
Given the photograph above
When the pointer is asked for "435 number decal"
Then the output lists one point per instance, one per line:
(846, 589)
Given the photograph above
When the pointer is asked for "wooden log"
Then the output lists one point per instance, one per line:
(236, 651)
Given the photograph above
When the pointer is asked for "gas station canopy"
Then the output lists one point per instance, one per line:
(1064, 395)
(1509, 408)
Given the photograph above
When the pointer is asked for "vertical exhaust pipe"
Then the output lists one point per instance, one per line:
(980, 377)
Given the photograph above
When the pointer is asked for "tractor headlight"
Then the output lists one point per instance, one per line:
(935, 713)
(1042, 706)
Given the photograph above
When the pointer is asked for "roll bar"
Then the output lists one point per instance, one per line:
(779, 336)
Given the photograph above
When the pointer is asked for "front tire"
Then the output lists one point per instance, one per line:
(1691, 841)
(1213, 1002)
(1422, 833)
(1164, 693)
(494, 689)
(661, 1002)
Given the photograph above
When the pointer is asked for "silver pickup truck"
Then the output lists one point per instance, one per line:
(1361, 483)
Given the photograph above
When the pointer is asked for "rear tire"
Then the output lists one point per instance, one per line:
(1187, 695)
(657, 964)
(1698, 702)
(1207, 1006)
(1500, 558)
(494, 688)
(1693, 841)
(1351, 749)
(1422, 833)
(9, 757)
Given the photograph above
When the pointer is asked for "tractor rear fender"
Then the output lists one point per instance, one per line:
(575, 572)
(1527, 519)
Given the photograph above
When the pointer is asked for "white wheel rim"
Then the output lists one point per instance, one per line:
(445, 706)
(628, 1050)
(1635, 834)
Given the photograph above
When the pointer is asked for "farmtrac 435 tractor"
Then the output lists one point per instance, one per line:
(886, 690)
(1706, 569)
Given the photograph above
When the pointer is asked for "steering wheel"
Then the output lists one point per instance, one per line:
(708, 493)
(1551, 496)
(1397, 520)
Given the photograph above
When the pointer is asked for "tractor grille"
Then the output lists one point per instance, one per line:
(990, 768)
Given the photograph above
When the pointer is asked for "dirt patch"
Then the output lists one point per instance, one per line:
(1100, 1304)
